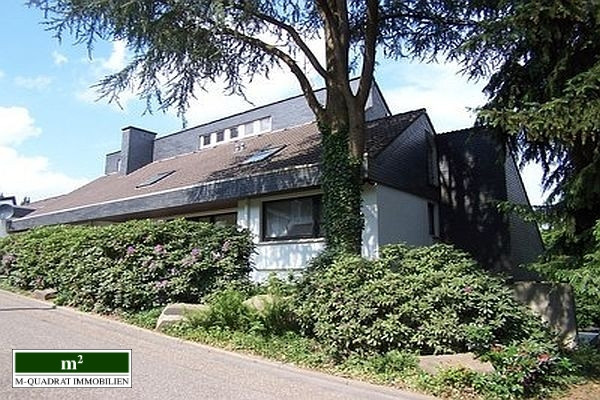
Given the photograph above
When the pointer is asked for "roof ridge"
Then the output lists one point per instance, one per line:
(463, 130)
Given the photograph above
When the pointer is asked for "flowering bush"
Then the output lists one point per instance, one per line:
(431, 299)
(135, 265)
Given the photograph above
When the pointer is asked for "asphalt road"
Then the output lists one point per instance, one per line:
(162, 367)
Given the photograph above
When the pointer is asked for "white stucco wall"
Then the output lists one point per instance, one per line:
(370, 235)
(291, 256)
(391, 216)
(279, 257)
(403, 218)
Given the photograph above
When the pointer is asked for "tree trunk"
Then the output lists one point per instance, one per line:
(341, 174)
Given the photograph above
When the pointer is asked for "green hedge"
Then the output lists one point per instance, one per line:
(131, 266)
(431, 299)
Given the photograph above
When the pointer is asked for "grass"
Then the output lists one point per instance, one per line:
(144, 319)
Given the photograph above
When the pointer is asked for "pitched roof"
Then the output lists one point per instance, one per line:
(381, 132)
(299, 146)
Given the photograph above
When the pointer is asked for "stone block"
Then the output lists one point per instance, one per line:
(433, 364)
(554, 303)
(45, 294)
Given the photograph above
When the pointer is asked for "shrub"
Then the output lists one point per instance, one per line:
(430, 299)
(227, 311)
(583, 274)
(131, 266)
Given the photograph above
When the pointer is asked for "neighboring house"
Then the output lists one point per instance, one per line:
(260, 170)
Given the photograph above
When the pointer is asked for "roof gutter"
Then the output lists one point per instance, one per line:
(227, 189)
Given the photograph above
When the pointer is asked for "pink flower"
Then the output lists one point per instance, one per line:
(467, 289)
(8, 259)
(159, 249)
(195, 252)
(162, 284)
(130, 250)
(226, 246)
(543, 358)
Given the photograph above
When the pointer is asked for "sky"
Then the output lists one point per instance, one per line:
(55, 132)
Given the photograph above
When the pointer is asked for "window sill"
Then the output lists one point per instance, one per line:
(290, 241)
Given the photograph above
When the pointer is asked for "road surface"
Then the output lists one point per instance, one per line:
(162, 367)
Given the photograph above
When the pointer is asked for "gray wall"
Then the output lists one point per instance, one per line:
(403, 164)
(525, 240)
(402, 218)
(285, 113)
(472, 181)
(111, 162)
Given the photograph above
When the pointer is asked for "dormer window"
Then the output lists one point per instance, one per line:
(235, 132)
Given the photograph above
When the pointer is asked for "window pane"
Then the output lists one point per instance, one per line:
(261, 155)
(233, 133)
(431, 218)
(265, 124)
(249, 128)
(220, 136)
(206, 140)
(198, 219)
(289, 218)
(226, 219)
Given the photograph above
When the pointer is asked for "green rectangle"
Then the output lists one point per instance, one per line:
(71, 362)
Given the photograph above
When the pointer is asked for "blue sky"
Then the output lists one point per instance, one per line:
(54, 135)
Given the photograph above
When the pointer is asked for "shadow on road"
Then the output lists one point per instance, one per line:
(26, 308)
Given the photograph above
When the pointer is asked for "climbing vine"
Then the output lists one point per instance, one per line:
(341, 182)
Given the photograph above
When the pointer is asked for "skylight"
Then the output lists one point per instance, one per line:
(261, 155)
(154, 178)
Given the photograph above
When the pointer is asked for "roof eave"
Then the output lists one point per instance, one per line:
(278, 181)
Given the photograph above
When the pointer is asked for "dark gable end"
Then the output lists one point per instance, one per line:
(473, 179)
(398, 153)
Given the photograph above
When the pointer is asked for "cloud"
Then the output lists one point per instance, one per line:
(58, 58)
(100, 67)
(16, 125)
(32, 176)
(439, 88)
(117, 59)
(33, 83)
(25, 175)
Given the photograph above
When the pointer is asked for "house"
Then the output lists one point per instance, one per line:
(260, 170)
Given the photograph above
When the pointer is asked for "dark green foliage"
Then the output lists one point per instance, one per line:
(135, 265)
(227, 311)
(583, 273)
(542, 59)
(431, 299)
(342, 201)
